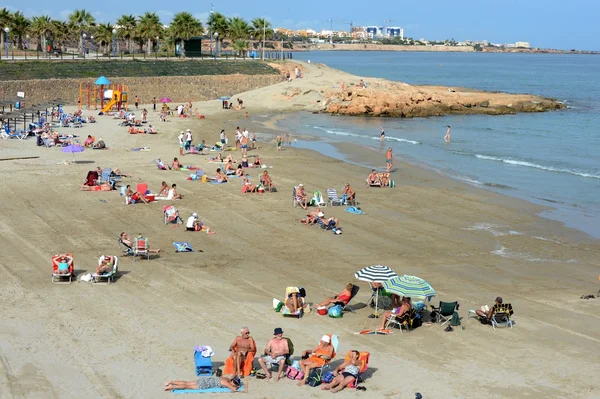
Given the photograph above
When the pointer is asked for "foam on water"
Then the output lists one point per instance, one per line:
(537, 166)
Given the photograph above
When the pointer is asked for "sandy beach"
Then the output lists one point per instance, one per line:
(124, 340)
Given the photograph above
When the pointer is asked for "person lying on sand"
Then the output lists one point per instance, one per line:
(344, 296)
(398, 312)
(345, 373)
(103, 187)
(216, 381)
(106, 265)
(240, 347)
(373, 179)
(129, 243)
(316, 357)
(218, 158)
(329, 222)
(311, 217)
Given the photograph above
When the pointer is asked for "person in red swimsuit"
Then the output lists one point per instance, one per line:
(342, 297)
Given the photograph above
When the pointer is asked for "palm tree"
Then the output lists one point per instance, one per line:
(42, 28)
(81, 20)
(237, 29)
(5, 20)
(261, 29)
(149, 28)
(20, 26)
(240, 47)
(127, 26)
(61, 32)
(103, 35)
(184, 26)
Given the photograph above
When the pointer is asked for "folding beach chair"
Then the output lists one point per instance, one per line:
(288, 357)
(141, 248)
(402, 322)
(107, 178)
(335, 340)
(346, 306)
(109, 276)
(203, 364)
(332, 197)
(294, 198)
(171, 215)
(182, 246)
(58, 275)
(317, 199)
(126, 248)
(444, 312)
(502, 316)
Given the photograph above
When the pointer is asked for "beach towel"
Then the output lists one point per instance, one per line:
(217, 182)
(373, 332)
(209, 390)
(205, 350)
(141, 149)
(354, 210)
(181, 246)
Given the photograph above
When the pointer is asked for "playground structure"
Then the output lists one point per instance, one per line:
(103, 95)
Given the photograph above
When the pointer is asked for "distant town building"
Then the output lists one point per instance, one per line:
(523, 44)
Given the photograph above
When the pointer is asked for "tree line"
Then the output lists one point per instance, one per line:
(145, 32)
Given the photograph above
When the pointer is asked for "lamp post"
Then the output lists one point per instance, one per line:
(92, 47)
(157, 43)
(210, 23)
(27, 41)
(251, 46)
(216, 45)
(114, 32)
(83, 42)
(6, 30)
(264, 34)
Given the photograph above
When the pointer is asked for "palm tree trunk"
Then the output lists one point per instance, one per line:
(149, 46)
(182, 50)
(42, 43)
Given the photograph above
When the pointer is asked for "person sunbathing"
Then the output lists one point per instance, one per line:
(218, 158)
(294, 302)
(348, 195)
(88, 142)
(239, 171)
(245, 162)
(301, 197)
(161, 164)
(229, 158)
(117, 172)
(373, 179)
(220, 177)
(106, 265)
(128, 242)
(229, 168)
(329, 222)
(151, 130)
(164, 190)
(344, 297)
(316, 357)
(385, 179)
(311, 217)
(247, 186)
(64, 263)
(216, 381)
(241, 346)
(257, 162)
(133, 196)
(103, 187)
(345, 373)
(266, 181)
(176, 165)
(398, 312)
(276, 352)
(133, 130)
(173, 193)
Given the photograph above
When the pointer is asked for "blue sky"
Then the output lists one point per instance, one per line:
(543, 23)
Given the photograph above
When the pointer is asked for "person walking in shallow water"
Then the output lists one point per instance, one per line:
(447, 136)
(388, 159)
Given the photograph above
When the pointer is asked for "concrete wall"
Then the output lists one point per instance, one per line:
(179, 88)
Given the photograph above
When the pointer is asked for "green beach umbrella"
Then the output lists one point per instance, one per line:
(409, 286)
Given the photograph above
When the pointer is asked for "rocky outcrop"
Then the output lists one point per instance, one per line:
(384, 98)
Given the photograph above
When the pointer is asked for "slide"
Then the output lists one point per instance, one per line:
(109, 106)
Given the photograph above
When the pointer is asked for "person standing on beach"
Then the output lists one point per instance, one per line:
(382, 134)
(279, 142)
(154, 103)
(181, 142)
(388, 159)
(447, 136)
(137, 102)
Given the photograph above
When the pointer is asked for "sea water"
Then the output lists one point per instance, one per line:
(550, 158)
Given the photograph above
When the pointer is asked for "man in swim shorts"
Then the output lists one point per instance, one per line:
(275, 353)
(382, 134)
(388, 159)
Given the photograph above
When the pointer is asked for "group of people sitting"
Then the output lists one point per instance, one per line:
(150, 130)
(318, 217)
(167, 193)
(381, 179)
(90, 143)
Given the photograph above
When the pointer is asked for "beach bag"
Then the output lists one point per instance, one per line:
(314, 378)
(327, 377)
(294, 374)
(335, 311)
(204, 178)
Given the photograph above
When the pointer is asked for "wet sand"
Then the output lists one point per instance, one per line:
(126, 339)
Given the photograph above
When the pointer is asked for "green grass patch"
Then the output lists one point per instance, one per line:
(28, 70)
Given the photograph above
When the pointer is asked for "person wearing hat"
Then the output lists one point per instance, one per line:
(301, 197)
(276, 352)
(193, 224)
(181, 142)
(317, 357)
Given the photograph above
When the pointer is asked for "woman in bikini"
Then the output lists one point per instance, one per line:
(176, 165)
(257, 162)
(164, 190)
(344, 297)
(239, 171)
(345, 373)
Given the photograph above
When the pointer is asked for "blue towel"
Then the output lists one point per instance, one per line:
(354, 210)
(209, 390)
(217, 182)
(181, 246)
